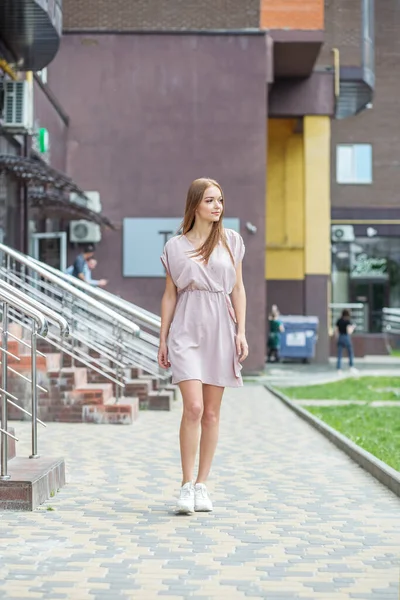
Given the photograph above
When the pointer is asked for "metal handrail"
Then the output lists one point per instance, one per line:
(391, 320)
(76, 306)
(71, 289)
(47, 312)
(39, 324)
(17, 339)
(76, 354)
(357, 309)
(390, 326)
(90, 365)
(36, 310)
(134, 311)
(132, 347)
(100, 320)
(39, 318)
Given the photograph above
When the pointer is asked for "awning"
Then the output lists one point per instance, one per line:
(36, 172)
(49, 189)
(51, 204)
(31, 32)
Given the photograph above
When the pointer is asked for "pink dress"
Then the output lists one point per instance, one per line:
(201, 339)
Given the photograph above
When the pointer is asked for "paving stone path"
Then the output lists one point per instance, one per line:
(333, 402)
(294, 517)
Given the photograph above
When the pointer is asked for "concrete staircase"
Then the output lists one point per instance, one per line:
(77, 394)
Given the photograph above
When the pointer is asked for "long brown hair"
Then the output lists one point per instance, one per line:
(194, 197)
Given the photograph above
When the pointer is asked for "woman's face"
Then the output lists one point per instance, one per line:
(211, 206)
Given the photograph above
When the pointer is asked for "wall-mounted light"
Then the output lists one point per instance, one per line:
(250, 227)
(371, 232)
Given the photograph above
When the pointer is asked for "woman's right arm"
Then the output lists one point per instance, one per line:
(350, 328)
(168, 304)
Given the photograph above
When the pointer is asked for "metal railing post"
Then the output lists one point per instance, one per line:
(4, 417)
(119, 357)
(34, 390)
(75, 327)
(8, 267)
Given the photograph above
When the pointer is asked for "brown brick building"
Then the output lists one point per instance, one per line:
(160, 15)
(365, 199)
(144, 96)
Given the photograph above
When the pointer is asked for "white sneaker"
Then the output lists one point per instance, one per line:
(354, 371)
(185, 504)
(202, 501)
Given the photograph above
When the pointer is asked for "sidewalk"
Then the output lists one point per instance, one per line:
(295, 374)
(294, 517)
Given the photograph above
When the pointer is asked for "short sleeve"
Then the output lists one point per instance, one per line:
(164, 259)
(236, 244)
(239, 248)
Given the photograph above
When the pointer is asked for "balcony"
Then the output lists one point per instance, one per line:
(357, 83)
(30, 32)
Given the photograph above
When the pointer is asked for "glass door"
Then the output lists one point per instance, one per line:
(51, 248)
(379, 299)
(375, 296)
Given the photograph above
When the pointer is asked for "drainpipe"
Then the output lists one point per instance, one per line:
(25, 196)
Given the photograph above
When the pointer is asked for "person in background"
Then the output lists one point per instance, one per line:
(88, 267)
(78, 268)
(274, 337)
(343, 331)
(91, 264)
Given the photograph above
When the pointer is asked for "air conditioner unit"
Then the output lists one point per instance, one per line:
(18, 113)
(342, 233)
(93, 202)
(84, 232)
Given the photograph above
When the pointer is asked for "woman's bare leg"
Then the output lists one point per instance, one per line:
(192, 395)
(212, 397)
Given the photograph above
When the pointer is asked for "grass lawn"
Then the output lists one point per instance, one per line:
(374, 429)
(395, 352)
(362, 388)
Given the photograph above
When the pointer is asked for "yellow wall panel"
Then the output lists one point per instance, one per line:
(294, 192)
(285, 201)
(285, 264)
(279, 132)
(317, 195)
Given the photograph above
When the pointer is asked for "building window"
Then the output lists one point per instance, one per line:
(354, 163)
(366, 273)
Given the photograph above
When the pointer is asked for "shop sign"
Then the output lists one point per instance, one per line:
(41, 142)
(144, 240)
(367, 267)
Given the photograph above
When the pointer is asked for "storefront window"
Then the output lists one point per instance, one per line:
(9, 201)
(9, 219)
(367, 271)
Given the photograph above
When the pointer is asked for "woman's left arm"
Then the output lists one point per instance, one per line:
(238, 296)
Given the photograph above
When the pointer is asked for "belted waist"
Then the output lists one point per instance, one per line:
(228, 302)
(189, 289)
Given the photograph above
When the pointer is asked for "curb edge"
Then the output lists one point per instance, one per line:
(385, 474)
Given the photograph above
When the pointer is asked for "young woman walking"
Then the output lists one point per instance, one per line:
(343, 331)
(202, 334)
